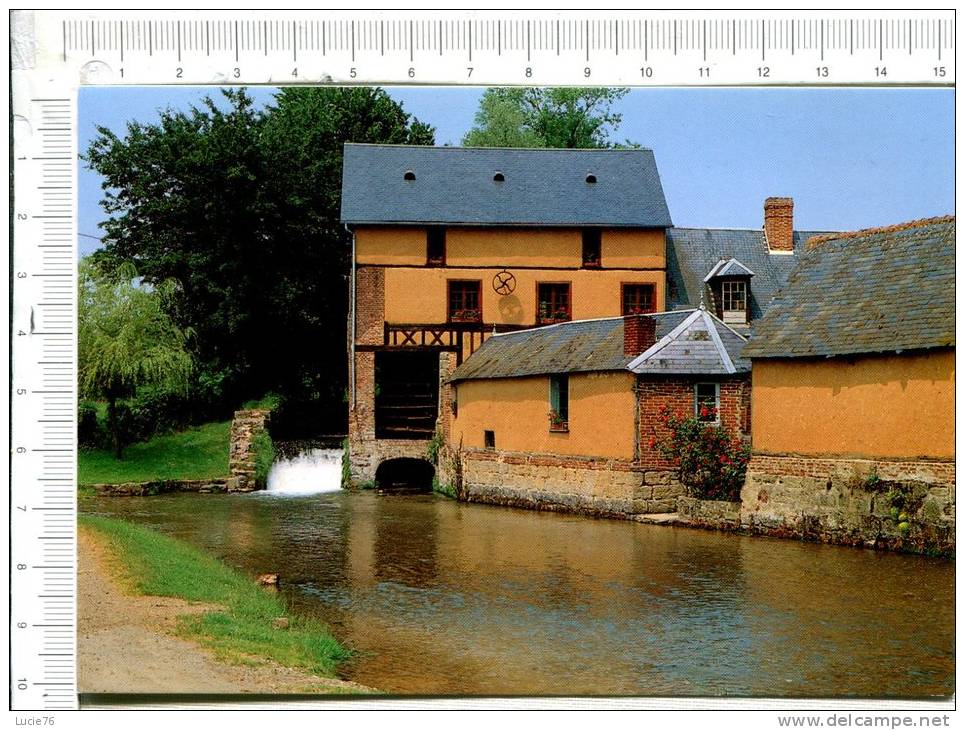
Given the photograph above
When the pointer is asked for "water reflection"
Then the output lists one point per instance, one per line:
(439, 597)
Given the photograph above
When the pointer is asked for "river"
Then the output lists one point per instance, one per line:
(439, 597)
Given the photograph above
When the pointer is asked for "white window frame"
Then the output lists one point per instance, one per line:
(716, 403)
(728, 291)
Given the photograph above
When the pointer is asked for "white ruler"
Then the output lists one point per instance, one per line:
(43, 404)
(55, 52)
(624, 48)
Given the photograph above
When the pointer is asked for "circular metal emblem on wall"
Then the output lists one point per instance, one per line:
(504, 283)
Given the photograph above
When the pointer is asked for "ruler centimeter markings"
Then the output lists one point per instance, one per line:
(656, 48)
(633, 48)
(43, 403)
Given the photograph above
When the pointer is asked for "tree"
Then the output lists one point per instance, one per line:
(126, 340)
(558, 117)
(241, 206)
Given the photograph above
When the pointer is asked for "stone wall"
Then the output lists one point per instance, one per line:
(241, 459)
(709, 513)
(605, 487)
(852, 501)
(365, 456)
(161, 486)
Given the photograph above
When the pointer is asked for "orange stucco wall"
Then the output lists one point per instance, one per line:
(391, 246)
(870, 406)
(419, 295)
(601, 415)
(511, 247)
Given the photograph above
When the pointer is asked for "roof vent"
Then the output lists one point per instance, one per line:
(499, 177)
(409, 175)
(591, 179)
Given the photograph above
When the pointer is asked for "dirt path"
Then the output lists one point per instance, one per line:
(125, 643)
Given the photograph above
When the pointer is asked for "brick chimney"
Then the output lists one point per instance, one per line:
(639, 333)
(779, 224)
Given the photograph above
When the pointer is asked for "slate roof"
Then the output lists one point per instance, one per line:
(591, 346)
(542, 187)
(693, 252)
(879, 290)
(700, 345)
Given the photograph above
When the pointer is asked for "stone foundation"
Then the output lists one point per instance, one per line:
(709, 513)
(365, 456)
(165, 486)
(852, 502)
(241, 459)
(603, 487)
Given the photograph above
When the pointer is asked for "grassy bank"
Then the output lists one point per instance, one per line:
(156, 565)
(196, 453)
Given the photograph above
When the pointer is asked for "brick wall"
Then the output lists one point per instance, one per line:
(677, 395)
(366, 452)
(370, 305)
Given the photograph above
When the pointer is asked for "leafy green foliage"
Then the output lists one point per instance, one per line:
(241, 206)
(555, 117)
(435, 446)
(269, 401)
(443, 488)
(264, 450)
(157, 565)
(711, 461)
(127, 340)
(196, 453)
(90, 432)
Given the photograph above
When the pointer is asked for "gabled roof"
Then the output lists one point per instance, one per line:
(597, 345)
(569, 347)
(541, 187)
(692, 252)
(877, 290)
(700, 345)
(730, 267)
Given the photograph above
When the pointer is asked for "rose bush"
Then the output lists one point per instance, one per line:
(711, 461)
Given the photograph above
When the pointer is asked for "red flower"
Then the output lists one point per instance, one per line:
(652, 443)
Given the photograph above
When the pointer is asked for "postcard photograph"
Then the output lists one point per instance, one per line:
(516, 391)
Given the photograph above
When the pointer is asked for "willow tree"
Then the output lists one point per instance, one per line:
(126, 340)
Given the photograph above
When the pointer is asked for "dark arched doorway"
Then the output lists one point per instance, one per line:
(408, 474)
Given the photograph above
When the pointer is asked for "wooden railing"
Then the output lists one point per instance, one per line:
(463, 338)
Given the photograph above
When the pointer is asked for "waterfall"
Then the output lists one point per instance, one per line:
(309, 472)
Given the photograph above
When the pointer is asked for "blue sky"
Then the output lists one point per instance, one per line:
(850, 158)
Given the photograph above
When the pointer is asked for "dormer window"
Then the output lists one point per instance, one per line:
(409, 176)
(591, 179)
(499, 177)
(730, 284)
(733, 301)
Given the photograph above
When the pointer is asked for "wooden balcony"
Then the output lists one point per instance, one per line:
(462, 338)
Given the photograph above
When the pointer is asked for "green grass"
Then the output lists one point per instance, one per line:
(157, 565)
(195, 453)
(269, 401)
(264, 449)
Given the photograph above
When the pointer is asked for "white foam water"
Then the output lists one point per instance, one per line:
(310, 472)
